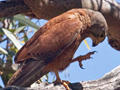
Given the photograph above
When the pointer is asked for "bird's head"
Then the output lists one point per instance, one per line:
(98, 29)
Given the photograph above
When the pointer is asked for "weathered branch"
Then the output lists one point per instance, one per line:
(47, 9)
(12, 8)
(110, 81)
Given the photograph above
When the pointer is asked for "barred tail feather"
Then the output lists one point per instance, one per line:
(29, 72)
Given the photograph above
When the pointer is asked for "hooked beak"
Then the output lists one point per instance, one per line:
(95, 43)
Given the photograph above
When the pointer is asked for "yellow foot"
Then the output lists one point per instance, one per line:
(84, 57)
(58, 80)
(65, 83)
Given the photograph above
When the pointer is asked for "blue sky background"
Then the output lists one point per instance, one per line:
(103, 62)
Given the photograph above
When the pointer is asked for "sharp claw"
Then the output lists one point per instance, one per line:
(91, 58)
(80, 64)
(82, 67)
(95, 51)
(81, 58)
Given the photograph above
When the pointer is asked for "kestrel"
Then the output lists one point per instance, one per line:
(52, 47)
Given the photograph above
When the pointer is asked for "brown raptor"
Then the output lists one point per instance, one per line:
(52, 47)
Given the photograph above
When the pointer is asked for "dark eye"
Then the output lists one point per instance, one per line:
(101, 35)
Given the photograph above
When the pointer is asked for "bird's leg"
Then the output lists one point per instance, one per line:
(58, 80)
(81, 58)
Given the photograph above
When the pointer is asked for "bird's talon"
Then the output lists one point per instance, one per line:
(92, 52)
(81, 65)
(82, 68)
(65, 83)
(95, 51)
(91, 58)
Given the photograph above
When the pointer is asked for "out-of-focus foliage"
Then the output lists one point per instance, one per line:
(14, 32)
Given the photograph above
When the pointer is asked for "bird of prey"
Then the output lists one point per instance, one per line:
(52, 47)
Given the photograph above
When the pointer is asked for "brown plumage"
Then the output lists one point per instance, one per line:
(52, 47)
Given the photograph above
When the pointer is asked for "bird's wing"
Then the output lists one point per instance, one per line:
(43, 29)
(44, 49)
(51, 41)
